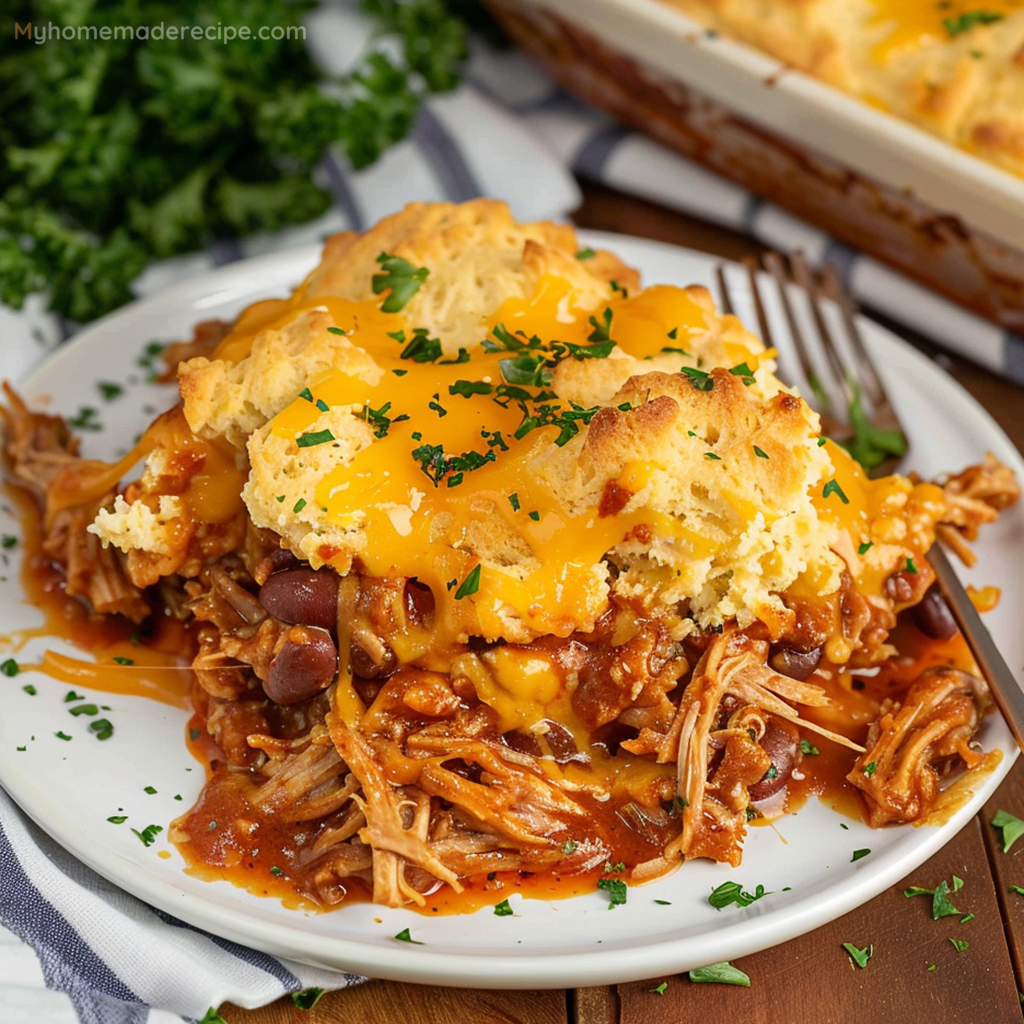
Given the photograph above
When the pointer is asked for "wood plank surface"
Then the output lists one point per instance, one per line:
(383, 1002)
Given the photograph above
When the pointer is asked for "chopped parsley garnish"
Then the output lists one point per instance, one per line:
(966, 21)
(213, 1017)
(869, 768)
(462, 357)
(10, 668)
(760, 452)
(465, 388)
(1011, 827)
(602, 328)
(567, 420)
(314, 438)
(306, 394)
(832, 487)
(807, 747)
(659, 990)
(436, 406)
(307, 998)
(299, 505)
(422, 348)
(71, 695)
(470, 585)
(117, 819)
(103, 728)
(1018, 889)
(664, 903)
(85, 419)
(722, 973)
(322, 405)
(109, 390)
(404, 936)
(276, 871)
(744, 372)
(858, 854)
(30, 689)
(123, 661)
(700, 379)
(148, 835)
(380, 419)
(337, 330)
(570, 847)
(84, 709)
(712, 455)
(437, 466)
(586, 254)
(8, 542)
(859, 956)
(942, 906)
(62, 736)
(534, 515)
(959, 944)
(400, 278)
(616, 889)
(503, 909)
(732, 892)
(865, 547)
(910, 566)
(150, 790)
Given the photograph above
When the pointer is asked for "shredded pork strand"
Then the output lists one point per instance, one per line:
(974, 497)
(714, 801)
(900, 772)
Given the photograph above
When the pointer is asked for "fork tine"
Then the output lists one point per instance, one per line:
(774, 264)
(815, 341)
(724, 295)
(883, 413)
(804, 278)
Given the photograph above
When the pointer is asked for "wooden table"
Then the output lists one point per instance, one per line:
(916, 974)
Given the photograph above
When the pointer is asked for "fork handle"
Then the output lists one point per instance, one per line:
(1004, 687)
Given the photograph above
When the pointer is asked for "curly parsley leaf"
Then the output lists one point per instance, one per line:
(117, 154)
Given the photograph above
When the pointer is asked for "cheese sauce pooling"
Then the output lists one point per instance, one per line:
(906, 25)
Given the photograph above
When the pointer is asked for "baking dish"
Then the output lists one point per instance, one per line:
(937, 213)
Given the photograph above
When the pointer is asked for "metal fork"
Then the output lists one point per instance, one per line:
(847, 391)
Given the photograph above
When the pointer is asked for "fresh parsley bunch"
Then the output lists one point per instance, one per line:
(117, 152)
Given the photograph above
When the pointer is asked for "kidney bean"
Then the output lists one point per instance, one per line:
(780, 742)
(795, 664)
(305, 664)
(932, 615)
(303, 596)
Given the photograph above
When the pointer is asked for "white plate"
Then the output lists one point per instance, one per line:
(71, 788)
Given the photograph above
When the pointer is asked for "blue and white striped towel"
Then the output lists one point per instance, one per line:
(509, 133)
